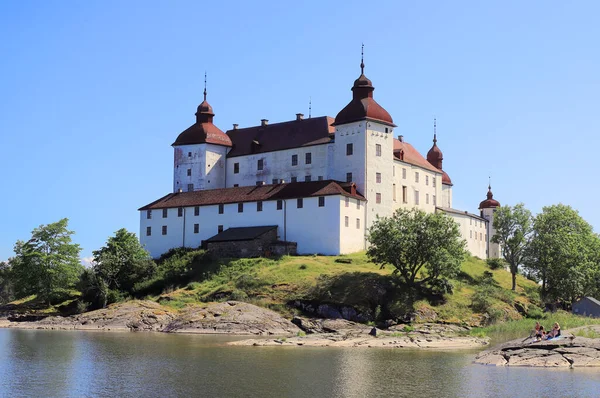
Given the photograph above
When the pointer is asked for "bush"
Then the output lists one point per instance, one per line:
(535, 312)
(58, 296)
(496, 263)
(114, 296)
(481, 301)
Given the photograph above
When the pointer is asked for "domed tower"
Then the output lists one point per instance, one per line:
(200, 153)
(364, 147)
(436, 158)
(488, 208)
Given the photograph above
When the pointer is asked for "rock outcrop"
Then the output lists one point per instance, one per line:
(231, 317)
(569, 351)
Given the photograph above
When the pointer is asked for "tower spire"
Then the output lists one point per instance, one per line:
(309, 107)
(204, 85)
(489, 183)
(434, 131)
(362, 59)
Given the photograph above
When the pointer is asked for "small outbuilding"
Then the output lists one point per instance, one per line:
(587, 306)
(249, 242)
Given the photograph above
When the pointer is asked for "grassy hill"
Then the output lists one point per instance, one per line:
(480, 296)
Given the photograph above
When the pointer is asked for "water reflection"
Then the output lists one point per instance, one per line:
(80, 364)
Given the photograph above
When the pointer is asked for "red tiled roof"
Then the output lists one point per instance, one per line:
(490, 202)
(279, 136)
(411, 155)
(200, 133)
(255, 193)
(241, 233)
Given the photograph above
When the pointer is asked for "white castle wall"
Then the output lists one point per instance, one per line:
(474, 230)
(278, 165)
(429, 187)
(206, 165)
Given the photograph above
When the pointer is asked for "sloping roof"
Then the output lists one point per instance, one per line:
(279, 136)
(593, 300)
(255, 193)
(361, 109)
(241, 233)
(200, 133)
(412, 156)
(459, 212)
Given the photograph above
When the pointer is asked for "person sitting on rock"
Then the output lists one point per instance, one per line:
(541, 334)
(555, 332)
(536, 331)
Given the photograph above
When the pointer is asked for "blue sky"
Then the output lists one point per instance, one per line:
(94, 93)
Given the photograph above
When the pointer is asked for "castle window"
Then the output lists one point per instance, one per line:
(149, 214)
(404, 173)
(259, 183)
(377, 197)
(165, 213)
(386, 130)
(189, 154)
(197, 210)
(164, 229)
(294, 179)
(308, 158)
(358, 204)
(470, 234)
(480, 236)
(236, 185)
(349, 149)
(180, 212)
(358, 223)
(394, 191)
(426, 180)
(279, 204)
(416, 197)
(321, 201)
(240, 207)
(320, 178)
(189, 172)
(346, 221)
(259, 165)
(433, 182)
(148, 231)
(294, 160)
(434, 202)
(307, 178)
(221, 208)
(378, 178)
(377, 149)
(190, 187)
(470, 221)
(259, 206)
(196, 228)
(348, 177)
(299, 203)
(394, 171)
(236, 168)
(416, 176)
(219, 229)
(426, 198)
(404, 194)
(347, 201)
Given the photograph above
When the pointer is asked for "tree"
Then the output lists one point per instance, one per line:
(422, 247)
(563, 253)
(46, 263)
(6, 288)
(513, 230)
(123, 261)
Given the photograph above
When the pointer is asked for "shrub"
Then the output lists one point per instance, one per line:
(302, 266)
(58, 296)
(114, 296)
(496, 263)
(535, 312)
(481, 301)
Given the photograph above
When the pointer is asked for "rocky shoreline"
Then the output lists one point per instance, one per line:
(238, 318)
(569, 351)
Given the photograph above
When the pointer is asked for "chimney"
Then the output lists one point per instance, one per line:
(353, 189)
(299, 116)
(264, 122)
(235, 126)
(401, 138)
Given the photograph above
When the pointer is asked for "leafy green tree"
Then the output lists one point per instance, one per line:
(94, 291)
(422, 247)
(6, 285)
(513, 230)
(46, 263)
(123, 262)
(563, 253)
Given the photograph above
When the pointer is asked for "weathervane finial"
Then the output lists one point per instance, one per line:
(204, 85)
(489, 183)
(362, 59)
(309, 107)
(434, 130)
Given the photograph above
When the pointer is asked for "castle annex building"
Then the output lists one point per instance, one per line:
(319, 182)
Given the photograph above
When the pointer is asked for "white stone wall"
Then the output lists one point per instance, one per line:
(429, 187)
(379, 161)
(315, 229)
(446, 196)
(352, 236)
(474, 230)
(201, 165)
(278, 165)
(355, 134)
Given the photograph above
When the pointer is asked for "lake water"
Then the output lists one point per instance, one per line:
(39, 363)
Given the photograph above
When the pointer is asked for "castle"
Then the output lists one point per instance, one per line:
(319, 182)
